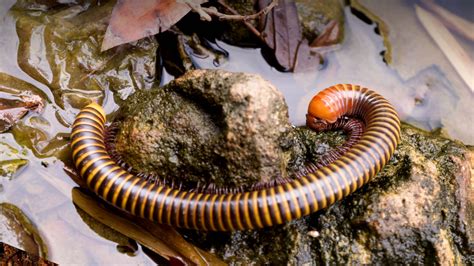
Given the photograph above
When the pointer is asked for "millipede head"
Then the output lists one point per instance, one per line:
(322, 109)
(315, 123)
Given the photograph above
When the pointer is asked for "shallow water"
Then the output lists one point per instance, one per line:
(430, 95)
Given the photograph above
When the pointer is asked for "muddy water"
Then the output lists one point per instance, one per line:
(429, 95)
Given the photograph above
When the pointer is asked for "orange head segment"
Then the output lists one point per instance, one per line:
(320, 109)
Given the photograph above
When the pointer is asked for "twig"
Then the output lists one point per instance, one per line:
(452, 21)
(198, 9)
(451, 48)
(246, 23)
(206, 12)
(214, 12)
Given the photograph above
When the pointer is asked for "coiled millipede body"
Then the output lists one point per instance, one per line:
(258, 208)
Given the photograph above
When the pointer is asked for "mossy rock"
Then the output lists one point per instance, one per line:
(419, 210)
(208, 126)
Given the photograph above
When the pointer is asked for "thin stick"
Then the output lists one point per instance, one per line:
(213, 11)
(458, 57)
(246, 23)
(206, 12)
(456, 23)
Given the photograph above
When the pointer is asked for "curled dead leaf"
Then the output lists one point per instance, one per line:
(133, 20)
(12, 110)
(329, 37)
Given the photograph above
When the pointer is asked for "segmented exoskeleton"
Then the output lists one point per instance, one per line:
(316, 189)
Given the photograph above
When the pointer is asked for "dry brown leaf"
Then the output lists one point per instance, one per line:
(133, 20)
(12, 110)
(282, 33)
(287, 33)
(306, 59)
(329, 36)
(162, 239)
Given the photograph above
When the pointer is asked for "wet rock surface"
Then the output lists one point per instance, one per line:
(419, 209)
(210, 127)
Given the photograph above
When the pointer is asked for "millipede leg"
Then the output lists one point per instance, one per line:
(352, 127)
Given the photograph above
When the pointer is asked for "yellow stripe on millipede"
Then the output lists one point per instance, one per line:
(202, 212)
(84, 130)
(78, 149)
(299, 187)
(172, 200)
(255, 211)
(86, 123)
(220, 219)
(238, 219)
(313, 199)
(151, 210)
(127, 193)
(87, 154)
(189, 198)
(276, 209)
(111, 182)
(96, 170)
(135, 199)
(162, 205)
(119, 188)
(266, 210)
(76, 140)
(194, 215)
(89, 117)
(101, 178)
(246, 210)
(89, 163)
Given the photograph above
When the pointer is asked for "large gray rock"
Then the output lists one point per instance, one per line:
(208, 126)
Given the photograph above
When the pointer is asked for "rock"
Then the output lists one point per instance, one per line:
(17, 230)
(317, 17)
(419, 210)
(13, 110)
(210, 127)
(13, 256)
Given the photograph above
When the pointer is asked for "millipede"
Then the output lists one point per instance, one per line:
(315, 188)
